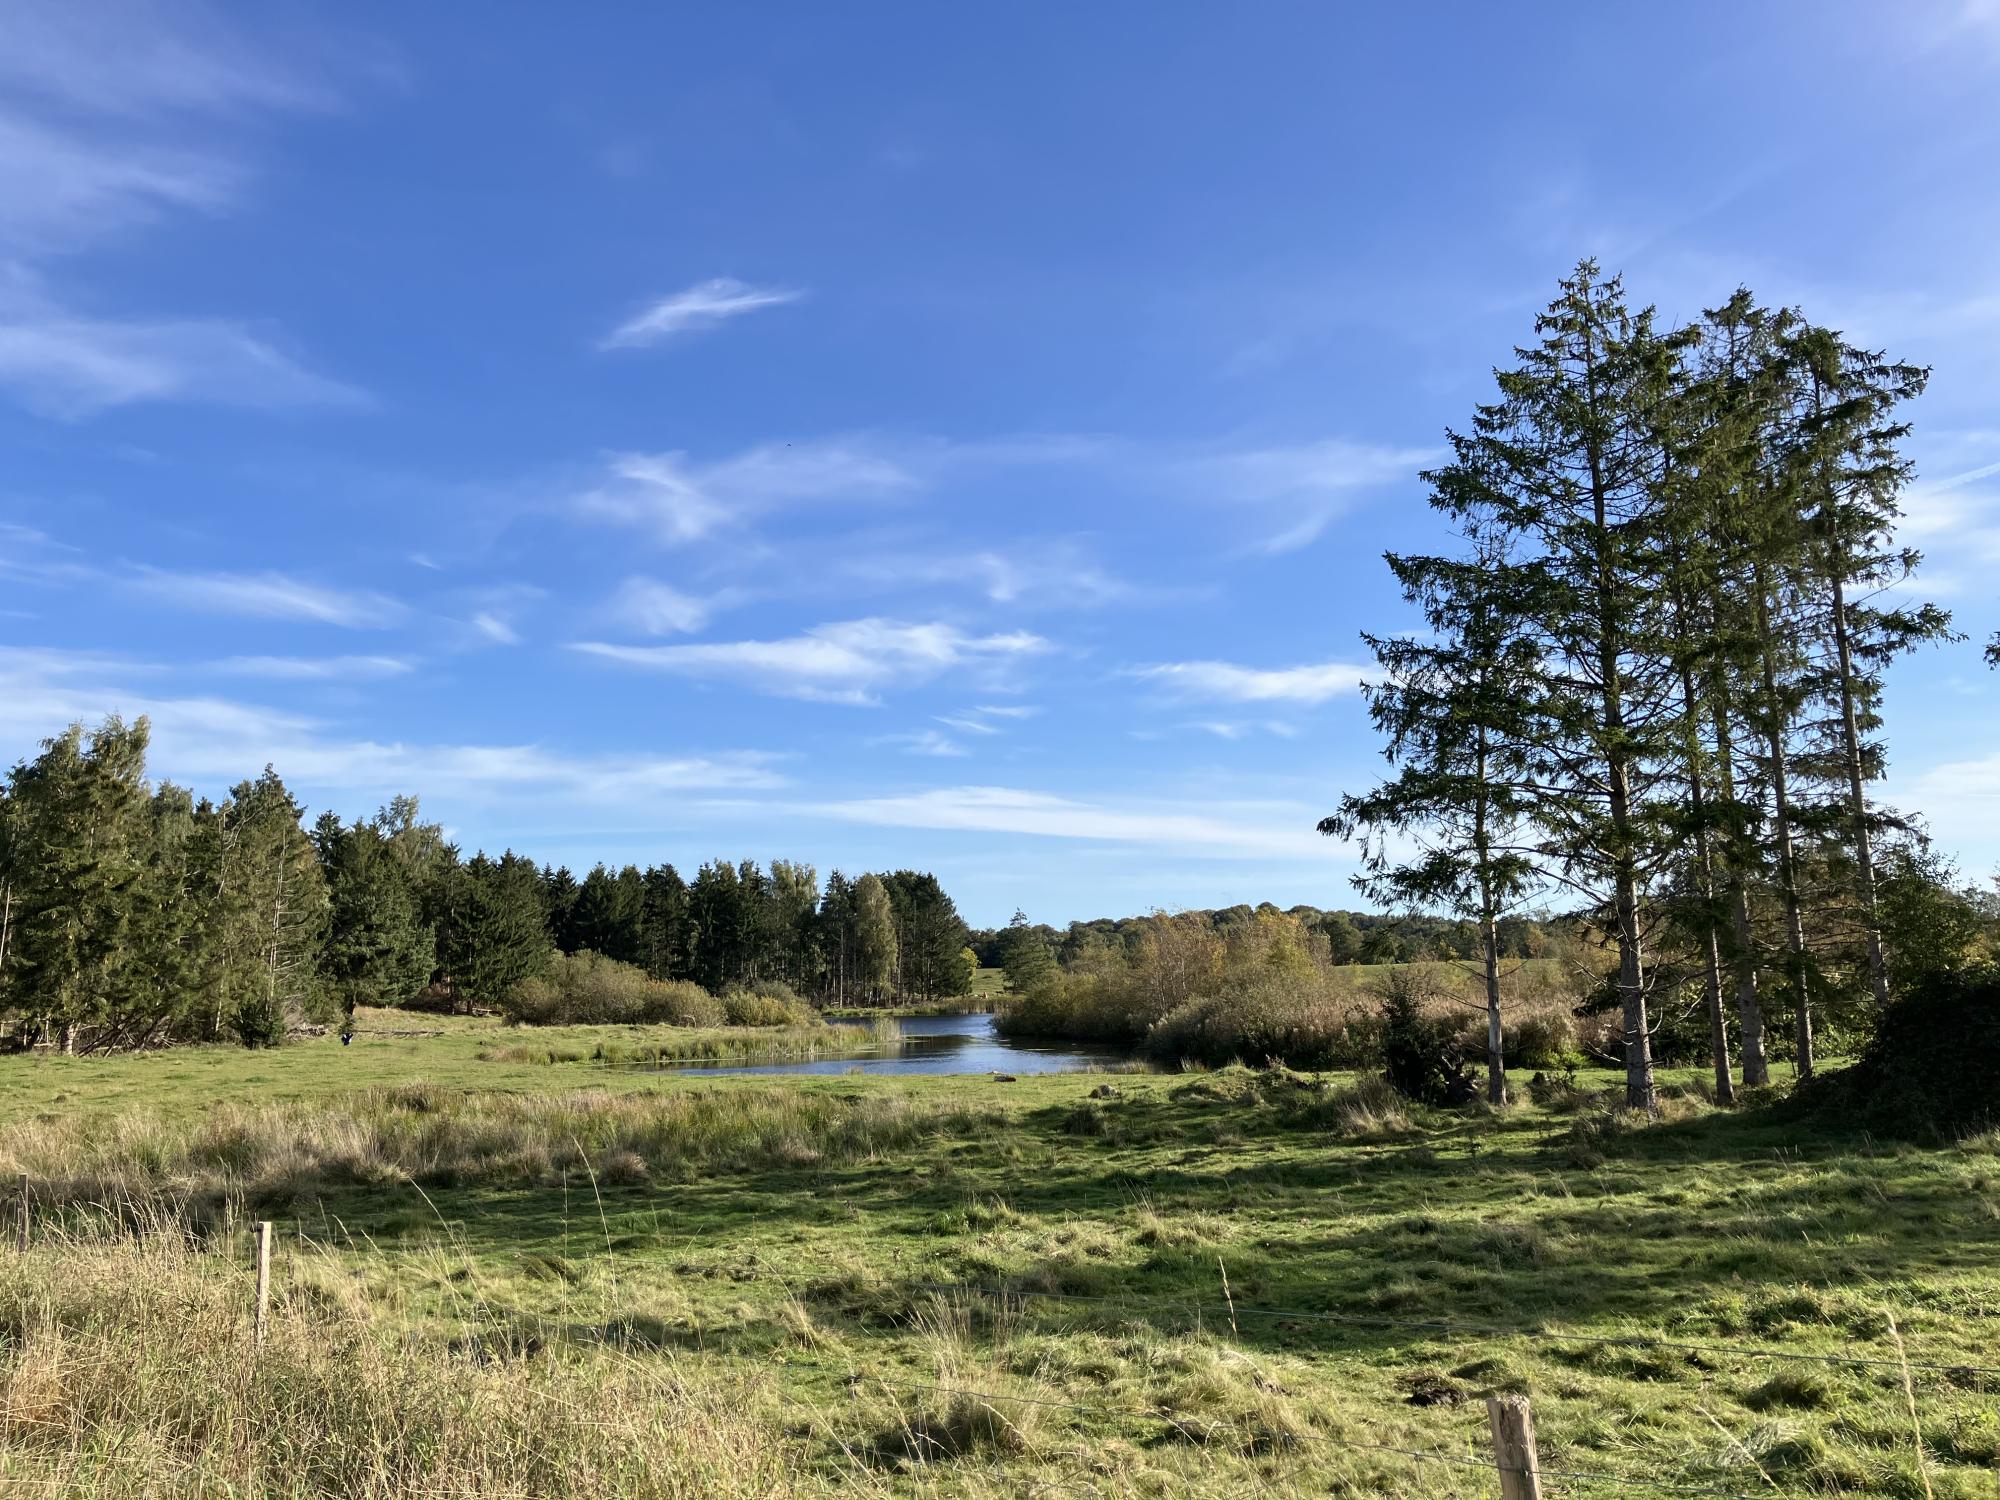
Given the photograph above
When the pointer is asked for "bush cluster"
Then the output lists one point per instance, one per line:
(586, 989)
(1932, 1071)
(1270, 993)
(766, 1002)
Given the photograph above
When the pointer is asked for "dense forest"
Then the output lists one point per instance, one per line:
(136, 915)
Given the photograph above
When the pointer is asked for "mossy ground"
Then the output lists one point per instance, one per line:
(823, 1277)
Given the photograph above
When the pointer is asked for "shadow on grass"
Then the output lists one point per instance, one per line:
(1727, 1224)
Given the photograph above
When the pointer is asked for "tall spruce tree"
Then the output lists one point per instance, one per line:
(378, 951)
(1448, 704)
(666, 945)
(930, 937)
(81, 824)
(1853, 473)
(495, 934)
(1567, 466)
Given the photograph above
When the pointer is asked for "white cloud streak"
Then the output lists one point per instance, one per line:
(63, 365)
(109, 119)
(654, 608)
(1230, 683)
(701, 306)
(1299, 489)
(853, 661)
(1007, 810)
(216, 741)
(680, 500)
(315, 668)
(266, 596)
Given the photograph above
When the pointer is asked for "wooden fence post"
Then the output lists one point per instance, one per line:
(1514, 1448)
(24, 1214)
(263, 1277)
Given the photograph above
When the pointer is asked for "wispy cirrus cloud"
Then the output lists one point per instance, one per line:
(701, 306)
(1295, 491)
(62, 364)
(1010, 810)
(315, 668)
(853, 661)
(265, 596)
(926, 742)
(215, 741)
(1274, 498)
(1228, 682)
(980, 720)
(112, 117)
(1054, 572)
(654, 608)
(681, 500)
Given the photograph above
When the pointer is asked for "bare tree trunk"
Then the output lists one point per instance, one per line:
(1749, 1012)
(1788, 879)
(1489, 935)
(1718, 1025)
(1639, 1090)
(1496, 1051)
(1857, 801)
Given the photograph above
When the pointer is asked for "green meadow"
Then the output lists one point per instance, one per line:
(600, 1279)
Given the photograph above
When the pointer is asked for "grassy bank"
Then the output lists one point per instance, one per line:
(959, 1287)
(393, 1047)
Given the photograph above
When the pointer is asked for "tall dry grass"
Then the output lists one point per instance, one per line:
(286, 1153)
(127, 1368)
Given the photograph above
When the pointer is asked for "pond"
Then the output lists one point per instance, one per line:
(941, 1044)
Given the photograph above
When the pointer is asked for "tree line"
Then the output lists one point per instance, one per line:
(1352, 937)
(1650, 682)
(133, 915)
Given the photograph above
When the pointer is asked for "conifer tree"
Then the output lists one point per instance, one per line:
(665, 940)
(1024, 957)
(82, 809)
(1449, 706)
(272, 916)
(930, 937)
(495, 934)
(1851, 476)
(1566, 466)
(559, 893)
(378, 949)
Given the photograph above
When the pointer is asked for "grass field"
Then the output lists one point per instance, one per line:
(636, 1283)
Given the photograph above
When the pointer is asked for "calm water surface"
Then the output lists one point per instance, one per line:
(940, 1044)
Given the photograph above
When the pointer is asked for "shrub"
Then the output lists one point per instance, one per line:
(1424, 1055)
(766, 1002)
(1547, 1039)
(1268, 1017)
(1930, 1071)
(1104, 1004)
(585, 989)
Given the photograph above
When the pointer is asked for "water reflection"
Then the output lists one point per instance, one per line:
(939, 1044)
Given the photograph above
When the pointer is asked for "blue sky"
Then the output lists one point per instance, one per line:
(960, 437)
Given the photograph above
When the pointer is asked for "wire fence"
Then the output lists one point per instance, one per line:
(1001, 1399)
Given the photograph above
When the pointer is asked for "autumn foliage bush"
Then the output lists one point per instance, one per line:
(589, 989)
(1269, 991)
